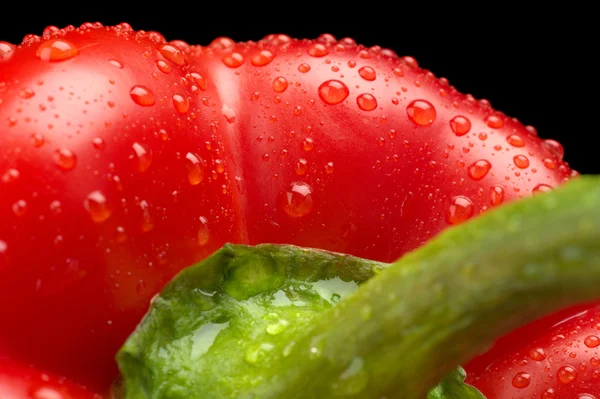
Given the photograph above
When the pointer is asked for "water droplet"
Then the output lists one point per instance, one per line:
(116, 63)
(461, 208)
(120, 234)
(558, 337)
(147, 221)
(38, 140)
(515, 140)
(521, 161)
(366, 102)
(3, 248)
(280, 84)
(531, 129)
(65, 159)
(479, 169)
(333, 92)
(97, 206)
(297, 200)
(364, 54)
(203, 232)
(228, 113)
(257, 353)
(10, 175)
(301, 167)
(222, 43)
(233, 60)
(26, 93)
(199, 80)
(47, 393)
(195, 168)
(172, 53)
(541, 188)
(303, 68)
(592, 341)
(566, 374)
(143, 156)
(421, 112)
(521, 380)
(56, 207)
(163, 66)
(537, 354)
(55, 50)
(326, 38)
(181, 103)
(318, 50)
(19, 208)
(586, 396)
(549, 163)
(219, 165)
(409, 61)
(494, 121)
(329, 168)
(6, 51)
(263, 58)
(141, 95)
(367, 73)
(548, 394)
(398, 72)
(98, 143)
(308, 144)
(277, 328)
(555, 147)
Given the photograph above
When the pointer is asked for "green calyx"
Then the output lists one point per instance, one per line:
(276, 321)
(268, 292)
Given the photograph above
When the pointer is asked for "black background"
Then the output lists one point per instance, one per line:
(537, 67)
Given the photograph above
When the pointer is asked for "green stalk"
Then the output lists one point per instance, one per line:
(397, 335)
